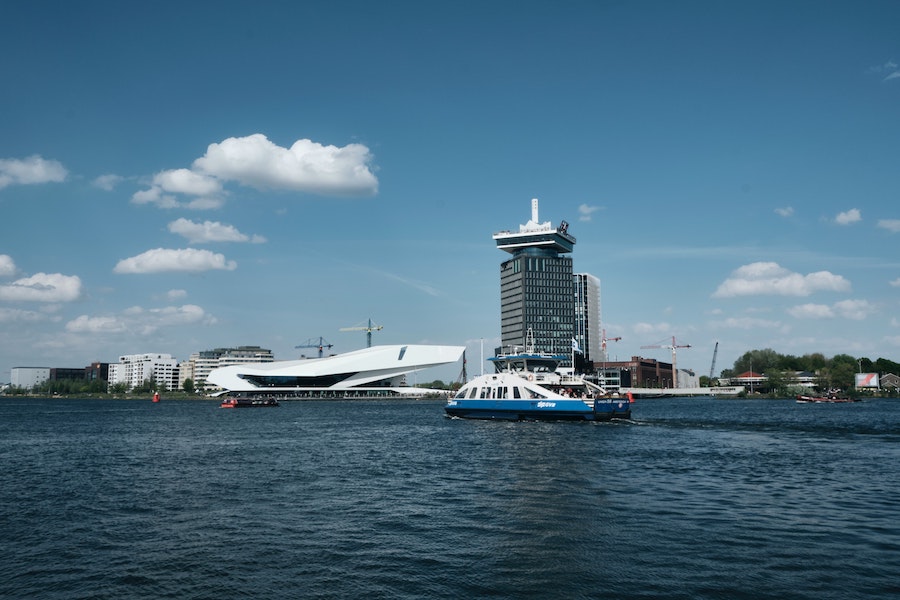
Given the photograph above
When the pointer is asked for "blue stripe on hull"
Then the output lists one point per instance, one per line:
(516, 410)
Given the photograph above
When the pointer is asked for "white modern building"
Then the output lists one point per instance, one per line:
(200, 364)
(134, 369)
(28, 377)
(376, 372)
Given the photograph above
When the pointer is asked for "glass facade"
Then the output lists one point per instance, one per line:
(536, 293)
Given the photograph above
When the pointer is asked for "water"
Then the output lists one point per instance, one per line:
(695, 498)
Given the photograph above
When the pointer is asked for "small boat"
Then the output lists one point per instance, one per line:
(510, 396)
(234, 402)
(829, 399)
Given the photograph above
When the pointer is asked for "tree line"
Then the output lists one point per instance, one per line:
(839, 371)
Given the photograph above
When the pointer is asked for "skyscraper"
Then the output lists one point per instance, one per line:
(536, 286)
(587, 317)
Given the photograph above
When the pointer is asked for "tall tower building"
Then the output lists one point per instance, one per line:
(536, 286)
(587, 317)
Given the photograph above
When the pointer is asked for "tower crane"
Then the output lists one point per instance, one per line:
(368, 329)
(712, 367)
(311, 343)
(603, 340)
(671, 347)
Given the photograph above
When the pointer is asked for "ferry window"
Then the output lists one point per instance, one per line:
(460, 394)
(473, 392)
(516, 393)
(503, 392)
(485, 393)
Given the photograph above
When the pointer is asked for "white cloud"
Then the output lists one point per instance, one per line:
(811, 311)
(181, 181)
(889, 70)
(43, 287)
(86, 324)
(892, 225)
(896, 282)
(31, 170)
(586, 211)
(210, 231)
(786, 211)
(306, 166)
(855, 310)
(185, 181)
(846, 218)
(255, 161)
(141, 321)
(749, 323)
(769, 278)
(161, 260)
(108, 182)
(7, 266)
(175, 294)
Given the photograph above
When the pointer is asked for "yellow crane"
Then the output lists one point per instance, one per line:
(367, 328)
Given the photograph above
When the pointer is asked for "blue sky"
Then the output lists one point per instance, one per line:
(182, 176)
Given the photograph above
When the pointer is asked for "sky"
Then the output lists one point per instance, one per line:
(177, 177)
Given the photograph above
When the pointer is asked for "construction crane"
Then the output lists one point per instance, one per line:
(603, 340)
(368, 329)
(712, 367)
(311, 343)
(671, 347)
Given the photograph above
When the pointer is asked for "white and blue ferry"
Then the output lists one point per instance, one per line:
(529, 387)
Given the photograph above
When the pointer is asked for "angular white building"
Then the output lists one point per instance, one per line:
(376, 372)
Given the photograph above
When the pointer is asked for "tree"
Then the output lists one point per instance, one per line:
(188, 385)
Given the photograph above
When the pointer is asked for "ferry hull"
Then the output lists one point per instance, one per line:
(565, 410)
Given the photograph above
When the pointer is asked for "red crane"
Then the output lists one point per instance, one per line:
(603, 340)
(671, 347)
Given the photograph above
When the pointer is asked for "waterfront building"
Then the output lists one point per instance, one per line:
(200, 364)
(376, 372)
(588, 326)
(536, 286)
(28, 377)
(134, 369)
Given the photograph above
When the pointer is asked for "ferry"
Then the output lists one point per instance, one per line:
(234, 402)
(529, 386)
(511, 396)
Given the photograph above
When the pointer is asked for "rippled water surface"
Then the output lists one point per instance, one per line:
(694, 498)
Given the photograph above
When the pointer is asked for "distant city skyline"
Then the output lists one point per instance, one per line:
(174, 179)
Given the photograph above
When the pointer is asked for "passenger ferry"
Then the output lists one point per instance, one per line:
(529, 386)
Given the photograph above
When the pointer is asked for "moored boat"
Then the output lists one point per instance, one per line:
(234, 402)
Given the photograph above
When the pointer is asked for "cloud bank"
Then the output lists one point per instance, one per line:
(141, 321)
(43, 287)
(31, 170)
(160, 260)
(211, 231)
(769, 278)
(257, 162)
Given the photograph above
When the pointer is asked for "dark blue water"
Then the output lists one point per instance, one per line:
(693, 499)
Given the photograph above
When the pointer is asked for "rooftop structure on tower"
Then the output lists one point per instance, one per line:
(535, 235)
